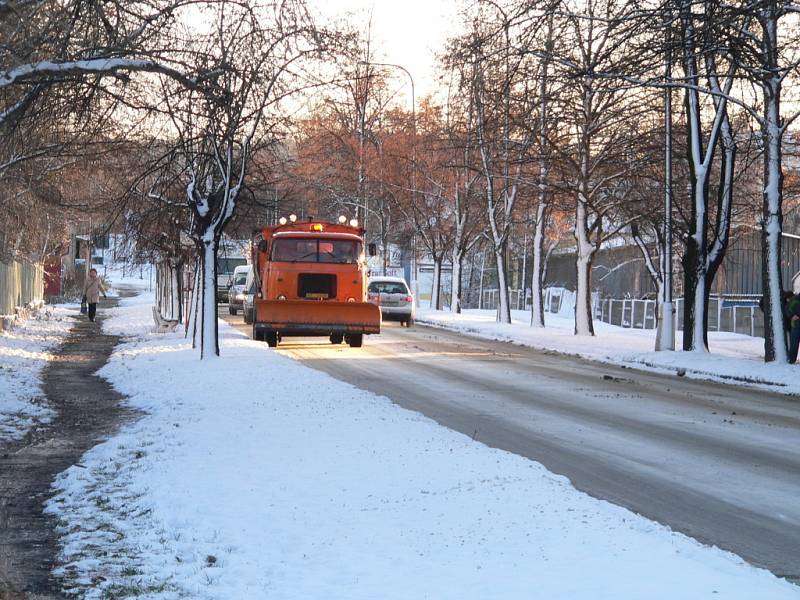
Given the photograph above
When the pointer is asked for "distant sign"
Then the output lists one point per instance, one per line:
(736, 303)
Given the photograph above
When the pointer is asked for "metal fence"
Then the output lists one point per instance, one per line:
(731, 313)
(21, 286)
(519, 300)
(627, 312)
(552, 299)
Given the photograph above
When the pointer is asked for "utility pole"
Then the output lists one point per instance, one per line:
(665, 336)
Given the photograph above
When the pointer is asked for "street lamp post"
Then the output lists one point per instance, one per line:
(413, 158)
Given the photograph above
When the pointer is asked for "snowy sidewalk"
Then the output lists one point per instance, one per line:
(76, 408)
(252, 476)
(734, 358)
(24, 351)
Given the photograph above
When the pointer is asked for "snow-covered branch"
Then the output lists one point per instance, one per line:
(112, 67)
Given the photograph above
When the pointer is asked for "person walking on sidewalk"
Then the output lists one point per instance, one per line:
(793, 314)
(91, 292)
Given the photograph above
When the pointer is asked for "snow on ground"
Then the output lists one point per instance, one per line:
(252, 476)
(123, 275)
(733, 357)
(24, 352)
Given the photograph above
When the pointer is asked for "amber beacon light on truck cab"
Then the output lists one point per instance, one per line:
(311, 278)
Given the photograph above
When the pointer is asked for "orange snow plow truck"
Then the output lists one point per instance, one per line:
(311, 280)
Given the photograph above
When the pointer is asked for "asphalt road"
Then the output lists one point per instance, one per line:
(719, 463)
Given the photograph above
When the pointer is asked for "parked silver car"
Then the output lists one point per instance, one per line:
(394, 298)
(248, 304)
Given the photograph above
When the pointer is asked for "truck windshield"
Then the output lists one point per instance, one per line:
(316, 250)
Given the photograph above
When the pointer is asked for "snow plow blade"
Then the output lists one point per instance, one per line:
(307, 317)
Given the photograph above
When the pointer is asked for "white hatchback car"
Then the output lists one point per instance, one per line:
(393, 297)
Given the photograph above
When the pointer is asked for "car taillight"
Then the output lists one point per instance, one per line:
(409, 298)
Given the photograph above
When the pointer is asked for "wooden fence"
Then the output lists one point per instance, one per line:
(21, 286)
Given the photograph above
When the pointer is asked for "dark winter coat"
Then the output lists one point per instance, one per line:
(793, 310)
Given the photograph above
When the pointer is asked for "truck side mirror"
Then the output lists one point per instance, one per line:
(262, 246)
(372, 250)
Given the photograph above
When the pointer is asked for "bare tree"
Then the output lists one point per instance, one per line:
(261, 46)
(494, 79)
(596, 148)
(765, 50)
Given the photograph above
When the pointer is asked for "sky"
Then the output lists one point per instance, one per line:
(404, 32)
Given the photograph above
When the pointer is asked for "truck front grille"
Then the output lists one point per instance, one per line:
(316, 286)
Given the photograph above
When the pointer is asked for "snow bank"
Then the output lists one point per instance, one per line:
(735, 358)
(24, 352)
(252, 476)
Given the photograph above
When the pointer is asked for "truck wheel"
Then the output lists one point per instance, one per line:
(356, 340)
(337, 338)
(272, 339)
(257, 334)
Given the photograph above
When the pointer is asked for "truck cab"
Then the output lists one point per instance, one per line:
(312, 281)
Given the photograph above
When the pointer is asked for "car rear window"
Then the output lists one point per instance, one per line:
(388, 287)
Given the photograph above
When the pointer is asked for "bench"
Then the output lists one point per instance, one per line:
(162, 325)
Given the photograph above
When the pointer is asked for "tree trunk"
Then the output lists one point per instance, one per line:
(537, 277)
(722, 226)
(699, 331)
(583, 265)
(384, 251)
(209, 346)
(480, 285)
(584, 324)
(455, 285)
(194, 309)
(503, 301)
(695, 307)
(470, 280)
(772, 222)
(695, 315)
(159, 283)
(177, 292)
(436, 300)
